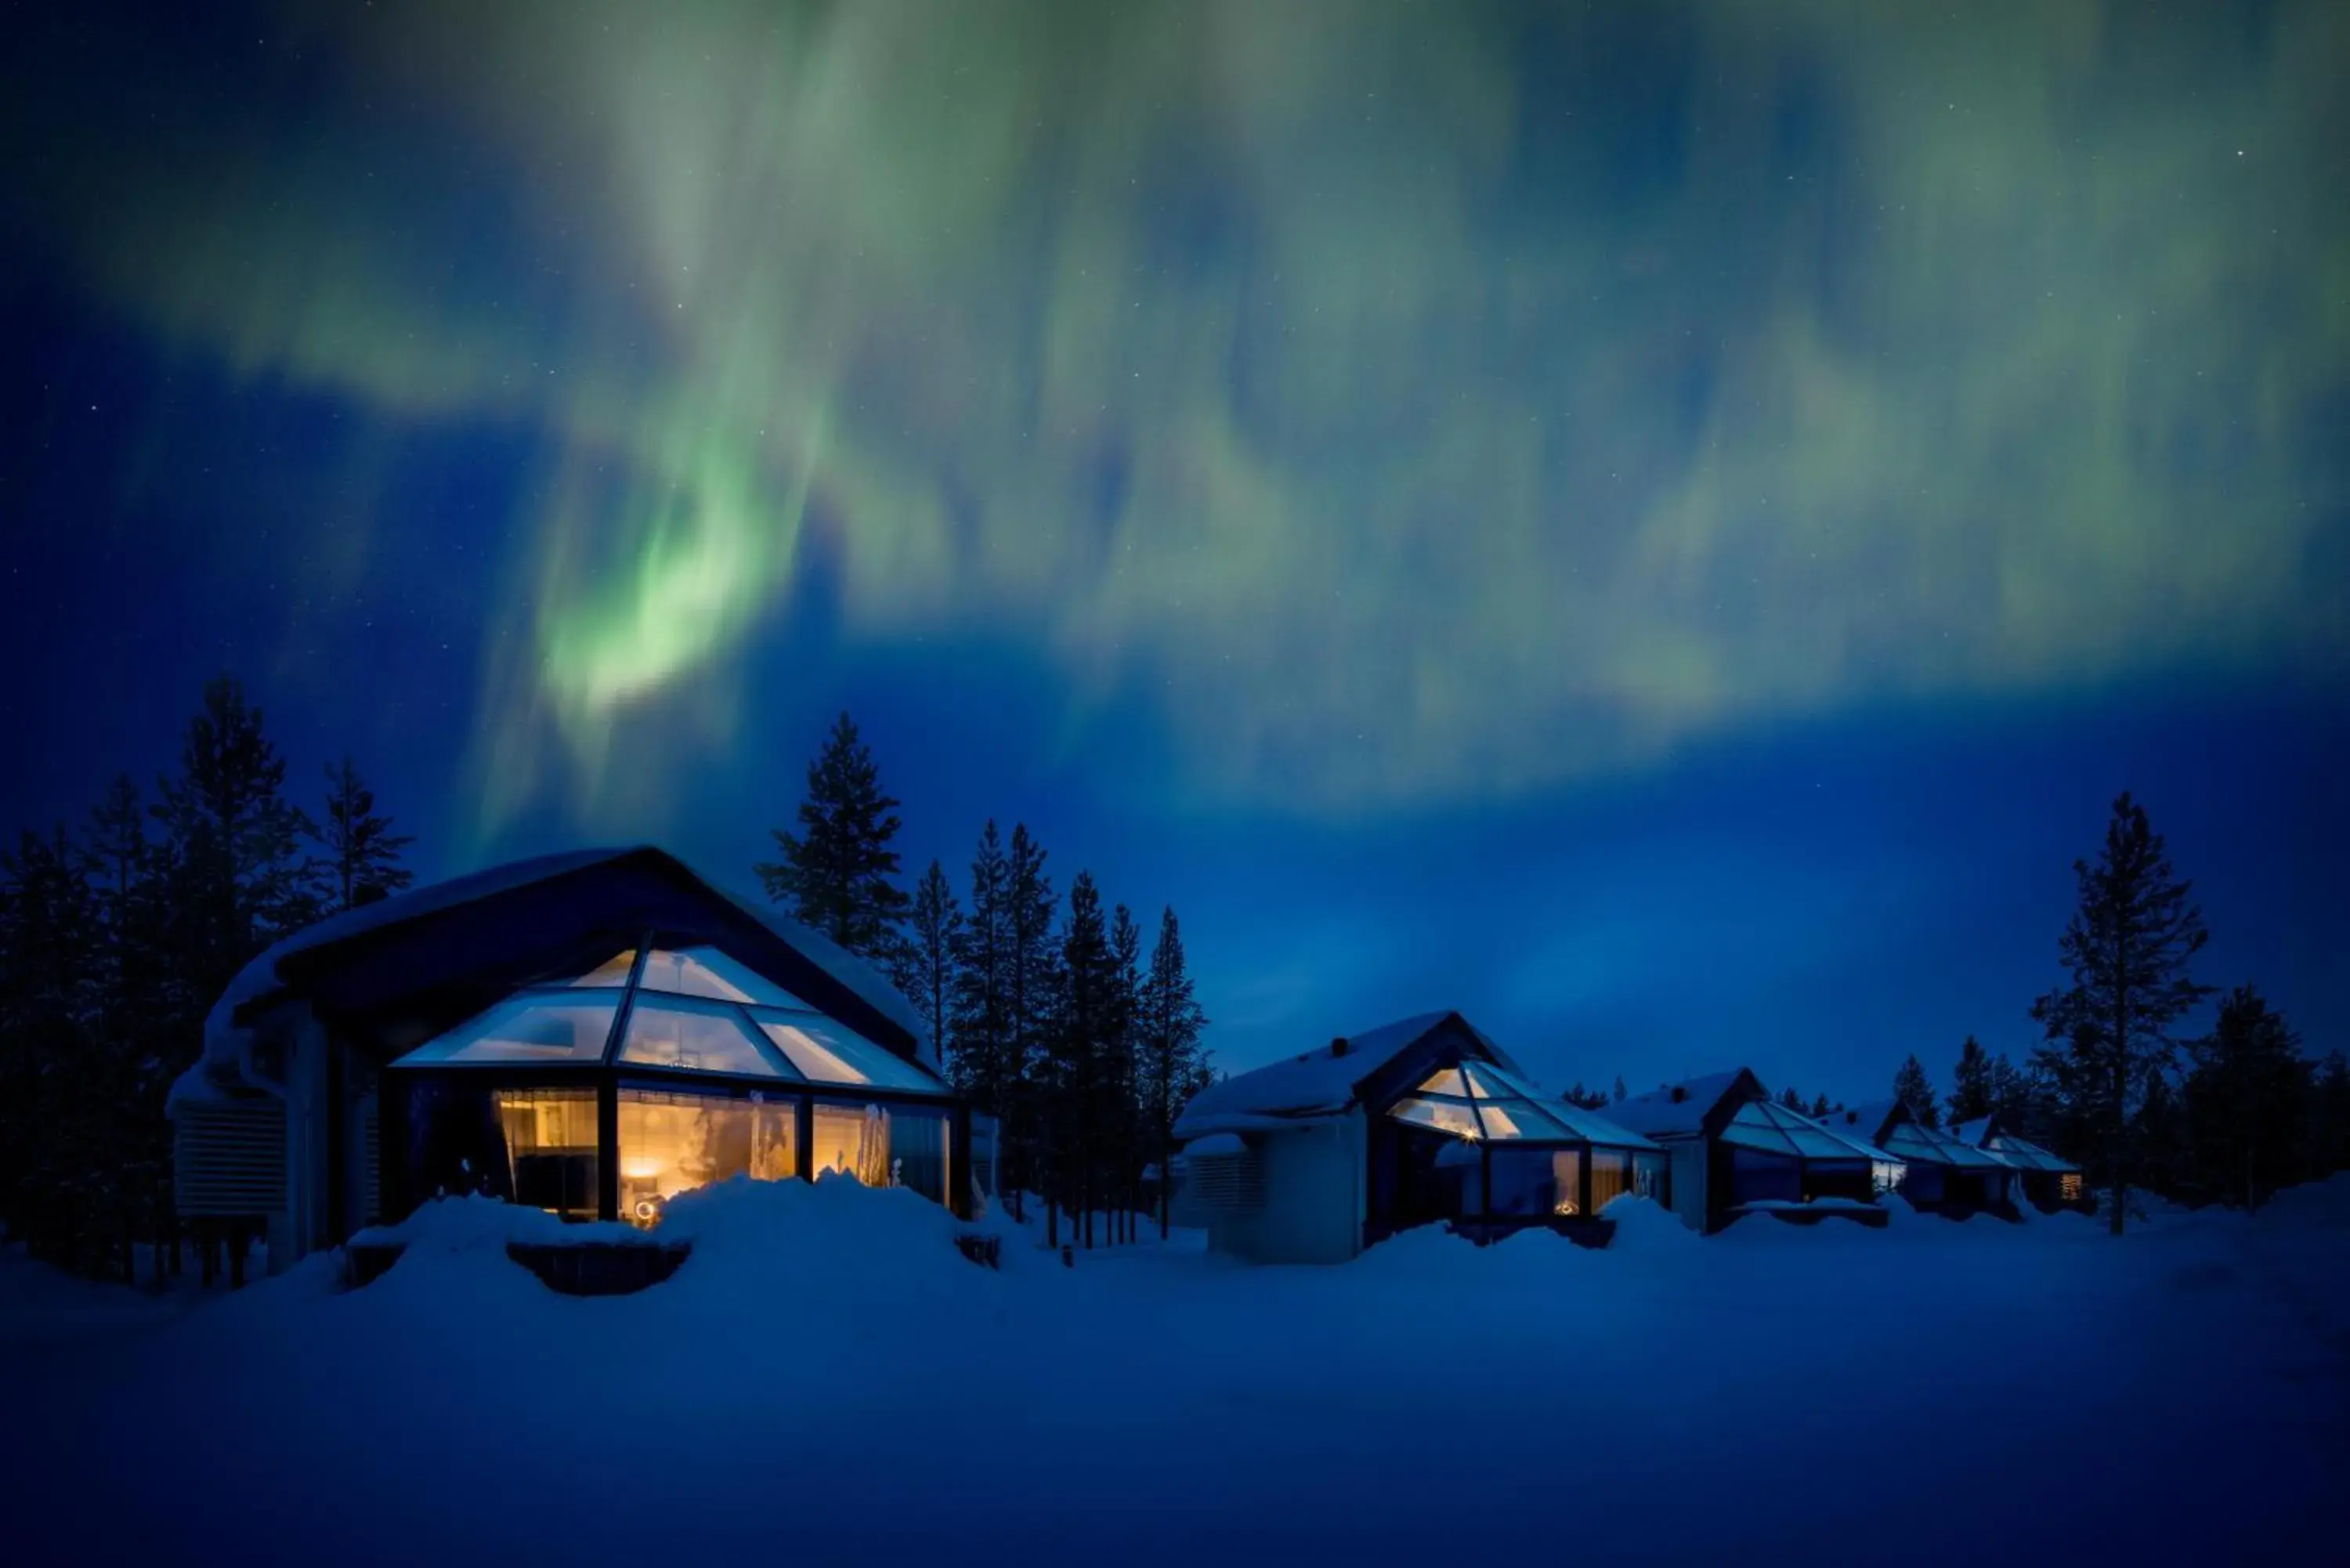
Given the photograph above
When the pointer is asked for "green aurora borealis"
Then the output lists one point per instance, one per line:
(1409, 405)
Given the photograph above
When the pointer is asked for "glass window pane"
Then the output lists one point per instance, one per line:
(1445, 1116)
(550, 1135)
(918, 1152)
(706, 971)
(673, 1143)
(1447, 1082)
(854, 1140)
(1611, 1176)
(830, 1053)
(666, 1036)
(1518, 1120)
(1534, 1182)
(1649, 1176)
(548, 1027)
(613, 971)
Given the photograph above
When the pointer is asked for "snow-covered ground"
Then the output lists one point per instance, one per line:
(827, 1377)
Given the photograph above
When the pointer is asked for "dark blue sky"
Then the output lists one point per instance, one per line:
(1662, 532)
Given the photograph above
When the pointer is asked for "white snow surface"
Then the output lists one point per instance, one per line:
(827, 1376)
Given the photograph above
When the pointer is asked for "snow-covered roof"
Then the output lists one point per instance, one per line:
(226, 1039)
(1973, 1132)
(1911, 1139)
(1675, 1108)
(1321, 1082)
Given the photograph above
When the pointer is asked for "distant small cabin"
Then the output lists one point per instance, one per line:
(1424, 1121)
(2047, 1181)
(1735, 1151)
(1941, 1173)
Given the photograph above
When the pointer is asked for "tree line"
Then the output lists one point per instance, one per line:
(1048, 1013)
(116, 938)
(2227, 1115)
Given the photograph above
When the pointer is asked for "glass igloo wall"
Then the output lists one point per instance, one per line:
(1513, 1154)
(656, 1073)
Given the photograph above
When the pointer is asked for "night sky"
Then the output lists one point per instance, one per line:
(1662, 527)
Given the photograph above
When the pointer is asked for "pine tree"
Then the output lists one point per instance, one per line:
(1076, 1049)
(1790, 1099)
(1172, 1067)
(1031, 973)
(240, 881)
(925, 971)
(1914, 1089)
(2128, 949)
(2246, 1100)
(1973, 1087)
(1120, 1101)
(980, 1027)
(1819, 1107)
(1619, 1088)
(363, 851)
(838, 873)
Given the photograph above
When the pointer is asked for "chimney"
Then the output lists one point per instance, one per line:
(1338, 1046)
(1680, 1094)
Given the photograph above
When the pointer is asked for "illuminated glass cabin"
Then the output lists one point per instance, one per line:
(590, 1033)
(1423, 1121)
(1941, 1172)
(1735, 1151)
(2046, 1181)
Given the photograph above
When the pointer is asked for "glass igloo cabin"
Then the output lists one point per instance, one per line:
(656, 1071)
(591, 1032)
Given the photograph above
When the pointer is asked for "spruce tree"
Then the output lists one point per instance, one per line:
(2330, 1110)
(837, 874)
(980, 1026)
(2246, 1100)
(238, 881)
(1789, 1097)
(2128, 949)
(1819, 1106)
(1172, 1067)
(1619, 1089)
(1076, 1055)
(1120, 1102)
(1914, 1089)
(1972, 1086)
(363, 851)
(925, 969)
(1031, 976)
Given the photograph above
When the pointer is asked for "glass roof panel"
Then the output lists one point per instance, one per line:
(1448, 1081)
(1452, 1117)
(706, 971)
(537, 1027)
(830, 1052)
(613, 971)
(1522, 1119)
(662, 1035)
(1752, 1128)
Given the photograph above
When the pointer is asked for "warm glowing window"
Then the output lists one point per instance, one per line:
(829, 1053)
(2068, 1186)
(853, 1139)
(673, 1143)
(706, 971)
(1611, 1176)
(553, 1027)
(550, 1137)
(665, 1035)
(1447, 1082)
(1445, 1116)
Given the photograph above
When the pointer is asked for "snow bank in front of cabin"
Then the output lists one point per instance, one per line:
(827, 1376)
